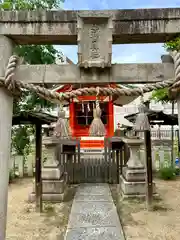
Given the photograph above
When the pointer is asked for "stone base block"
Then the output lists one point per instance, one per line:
(48, 197)
(133, 174)
(52, 186)
(53, 190)
(52, 173)
(133, 189)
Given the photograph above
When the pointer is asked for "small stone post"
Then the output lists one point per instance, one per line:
(20, 162)
(6, 109)
(178, 108)
(30, 159)
(161, 156)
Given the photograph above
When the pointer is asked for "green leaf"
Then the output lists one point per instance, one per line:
(162, 94)
(173, 44)
(6, 5)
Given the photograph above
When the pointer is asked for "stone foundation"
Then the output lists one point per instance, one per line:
(54, 185)
(48, 197)
(54, 178)
(134, 175)
(133, 183)
(133, 179)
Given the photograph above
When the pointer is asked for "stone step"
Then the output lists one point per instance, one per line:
(48, 197)
(132, 175)
(52, 172)
(53, 186)
(133, 188)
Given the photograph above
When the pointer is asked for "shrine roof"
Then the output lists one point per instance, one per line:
(156, 118)
(33, 117)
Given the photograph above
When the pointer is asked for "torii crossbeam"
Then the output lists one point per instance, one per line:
(94, 32)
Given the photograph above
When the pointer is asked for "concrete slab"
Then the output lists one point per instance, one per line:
(93, 215)
(93, 189)
(102, 233)
(93, 198)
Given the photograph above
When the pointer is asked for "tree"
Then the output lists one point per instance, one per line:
(31, 54)
(21, 139)
(162, 94)
(30, 4)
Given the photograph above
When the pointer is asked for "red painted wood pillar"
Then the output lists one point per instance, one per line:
(111, 119)
(72, 117)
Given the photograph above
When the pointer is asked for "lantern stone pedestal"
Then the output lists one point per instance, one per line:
(133, 178)
(54, 179)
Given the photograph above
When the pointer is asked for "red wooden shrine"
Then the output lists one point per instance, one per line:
(81, 116)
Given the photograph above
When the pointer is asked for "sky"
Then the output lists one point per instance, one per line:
(128, 53)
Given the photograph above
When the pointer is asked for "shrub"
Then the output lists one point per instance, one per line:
(177, 171)
(167, 173)
(11, 176)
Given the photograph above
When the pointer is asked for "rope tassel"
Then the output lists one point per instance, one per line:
(97, 128)
(61, 129)
(142, 121)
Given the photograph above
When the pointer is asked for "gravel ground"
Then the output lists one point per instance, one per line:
(23, 223)
(161, 224)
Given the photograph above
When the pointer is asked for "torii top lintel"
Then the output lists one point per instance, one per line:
(94, 32)
(60, 27)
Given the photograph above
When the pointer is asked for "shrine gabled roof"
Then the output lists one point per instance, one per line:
(33, 117)
(156, 117)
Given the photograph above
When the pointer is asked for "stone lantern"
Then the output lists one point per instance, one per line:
(54, 178)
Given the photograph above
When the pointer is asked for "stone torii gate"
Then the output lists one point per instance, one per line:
(94, 32)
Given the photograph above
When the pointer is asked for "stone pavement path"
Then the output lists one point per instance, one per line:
(93, 215)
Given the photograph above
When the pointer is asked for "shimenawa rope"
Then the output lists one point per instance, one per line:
(13, 85)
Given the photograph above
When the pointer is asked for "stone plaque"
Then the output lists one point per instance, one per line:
(94, 41)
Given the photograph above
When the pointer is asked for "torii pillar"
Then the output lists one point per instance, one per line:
(176, 58)
(6, 110)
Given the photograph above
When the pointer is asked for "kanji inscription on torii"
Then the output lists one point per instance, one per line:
(94, 40)
(94, 36)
